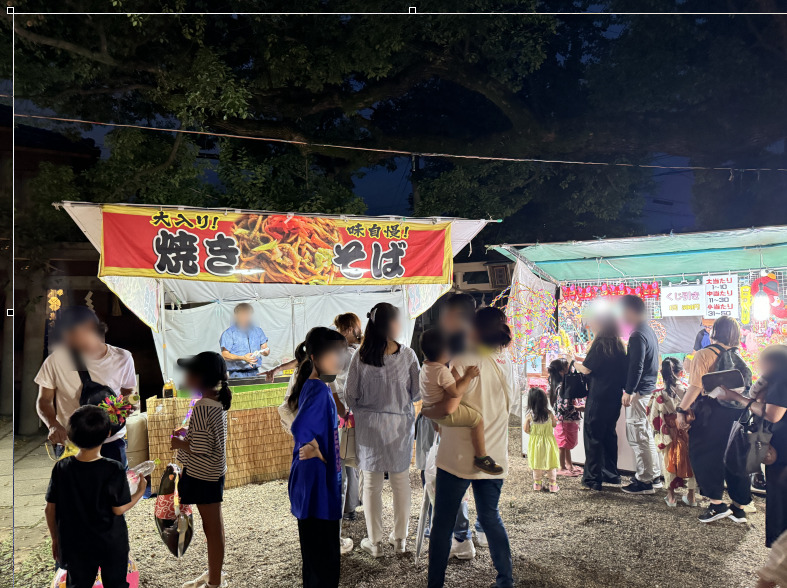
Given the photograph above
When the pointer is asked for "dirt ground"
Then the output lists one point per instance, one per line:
(573, 538)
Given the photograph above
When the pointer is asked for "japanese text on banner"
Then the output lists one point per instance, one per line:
(272, 248)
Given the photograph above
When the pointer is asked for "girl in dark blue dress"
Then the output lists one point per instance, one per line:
(315, 485)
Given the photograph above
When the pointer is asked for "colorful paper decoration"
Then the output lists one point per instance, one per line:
(585, 293)
(660, 330)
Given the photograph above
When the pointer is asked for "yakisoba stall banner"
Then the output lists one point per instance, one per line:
(272, 248)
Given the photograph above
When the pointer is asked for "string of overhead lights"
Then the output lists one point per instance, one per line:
(404, 152)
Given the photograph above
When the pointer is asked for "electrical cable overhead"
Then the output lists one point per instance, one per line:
(727, 169)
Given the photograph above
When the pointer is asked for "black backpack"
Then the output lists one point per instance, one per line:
(730, 359)
(93, 392)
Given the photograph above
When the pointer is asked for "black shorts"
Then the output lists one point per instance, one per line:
(196, 491)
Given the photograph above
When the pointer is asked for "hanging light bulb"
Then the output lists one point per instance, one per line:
(760, 307)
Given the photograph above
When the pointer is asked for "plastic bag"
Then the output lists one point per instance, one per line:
(137, 472)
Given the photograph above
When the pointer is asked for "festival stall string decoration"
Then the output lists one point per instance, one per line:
(531, 316)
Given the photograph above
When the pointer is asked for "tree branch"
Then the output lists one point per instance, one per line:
(161, 167)
(97, 56)
(97, 91)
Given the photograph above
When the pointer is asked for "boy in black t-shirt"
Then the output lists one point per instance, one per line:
(86, 499)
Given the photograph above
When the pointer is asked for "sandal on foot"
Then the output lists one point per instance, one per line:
(538, 486)
(553, 487)
(688, 502)
(674, 503)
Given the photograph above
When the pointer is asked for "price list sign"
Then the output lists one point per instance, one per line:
(721, 296)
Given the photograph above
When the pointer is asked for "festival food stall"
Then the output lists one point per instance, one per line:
(686, 280)
(183, 270)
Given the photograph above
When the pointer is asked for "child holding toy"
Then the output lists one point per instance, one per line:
(203, 453)
(86, 499)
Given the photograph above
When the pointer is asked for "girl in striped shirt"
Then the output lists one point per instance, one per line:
(202, 449)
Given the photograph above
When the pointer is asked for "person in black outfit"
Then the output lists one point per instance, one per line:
(643, 373)
(606, 366)
(769, 400)
(86, 499)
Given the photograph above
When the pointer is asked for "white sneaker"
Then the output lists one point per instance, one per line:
(375, 550)
(462, 549)
(345, 545)
(397, 544)
(222, 585)
(196, 582)
(480, 538)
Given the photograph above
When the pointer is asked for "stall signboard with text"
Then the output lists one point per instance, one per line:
(721, 296)
(683, 300)
(210, 245)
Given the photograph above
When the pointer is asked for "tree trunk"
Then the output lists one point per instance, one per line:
(35, 327)
(7, 372)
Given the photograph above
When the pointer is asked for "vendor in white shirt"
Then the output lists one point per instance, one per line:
(59, 384)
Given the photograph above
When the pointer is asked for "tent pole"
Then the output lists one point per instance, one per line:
(292, 317)
(163, 327)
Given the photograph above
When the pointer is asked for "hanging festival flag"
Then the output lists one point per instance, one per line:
(272, 248)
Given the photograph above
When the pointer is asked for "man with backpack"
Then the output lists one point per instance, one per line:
(710, 422)
(62, 381)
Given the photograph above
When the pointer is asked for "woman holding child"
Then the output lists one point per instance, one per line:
(491, 395)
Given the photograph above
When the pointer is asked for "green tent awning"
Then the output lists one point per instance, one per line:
(689, 254)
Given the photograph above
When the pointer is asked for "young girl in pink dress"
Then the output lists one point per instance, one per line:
(568, 416)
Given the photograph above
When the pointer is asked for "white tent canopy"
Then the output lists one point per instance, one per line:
(284, 311)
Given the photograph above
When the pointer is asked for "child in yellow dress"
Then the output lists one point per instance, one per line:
(542, 452)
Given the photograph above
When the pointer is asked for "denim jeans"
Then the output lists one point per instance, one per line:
(462, 530)
(450, 490)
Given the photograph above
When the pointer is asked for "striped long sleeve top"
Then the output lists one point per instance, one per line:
(207, 437)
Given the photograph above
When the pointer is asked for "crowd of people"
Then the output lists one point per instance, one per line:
(364, 385)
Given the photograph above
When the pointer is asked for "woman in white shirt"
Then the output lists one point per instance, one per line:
(492, 395)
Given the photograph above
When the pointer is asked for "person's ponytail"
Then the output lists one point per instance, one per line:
(670, 370)
(304, 370)
(225, 394)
